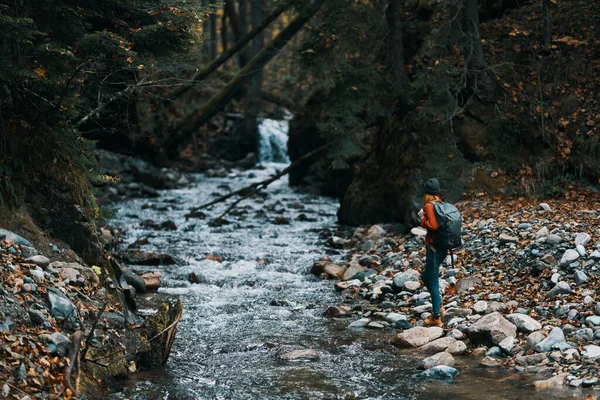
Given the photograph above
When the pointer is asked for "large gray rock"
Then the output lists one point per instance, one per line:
(39, 260)
(457, 348)
(533, 339)
(438, 345)
(134, 280)
(581, 239)
(441, 358)
(417, 337)
(580, 277)
(524, 323)
(61, 342)
(491, 330)
(561, 287)
(405, 276)
(60, 306)
(440, 372)
(533, 359)
(568, 257)
(554, 341)
(591, 352)
(18, 240)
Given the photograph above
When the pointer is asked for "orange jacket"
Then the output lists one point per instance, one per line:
(429, 222)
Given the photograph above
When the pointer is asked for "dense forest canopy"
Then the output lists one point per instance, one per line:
(496, 95)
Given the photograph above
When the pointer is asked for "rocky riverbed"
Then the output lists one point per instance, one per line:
(522, 295)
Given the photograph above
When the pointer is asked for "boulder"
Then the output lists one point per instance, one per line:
(524, 323)
(438, 345)
(554, 341)
(491, 329)
(441, 358)
(38, 260)
(134, 280)
(337, 311)
(440, 372)
(417, 337)
(18, 240)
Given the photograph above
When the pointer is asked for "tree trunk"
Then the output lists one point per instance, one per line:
(234, 21)
(217, 62)
(224, 31)
(213, 36)
(547, 27)
(478, 76)
(396, 50)
(218, 101)
(243, 10)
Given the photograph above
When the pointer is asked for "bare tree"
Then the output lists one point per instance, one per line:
(547, 27)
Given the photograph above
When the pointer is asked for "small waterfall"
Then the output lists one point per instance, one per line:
(273, 141)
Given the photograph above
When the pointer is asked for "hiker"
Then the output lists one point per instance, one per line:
(435, 255)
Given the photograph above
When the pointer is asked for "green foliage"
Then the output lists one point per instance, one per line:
(60, 60)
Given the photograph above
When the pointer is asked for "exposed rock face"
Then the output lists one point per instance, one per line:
(491, 330)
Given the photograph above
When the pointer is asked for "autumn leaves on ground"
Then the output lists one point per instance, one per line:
(522, 294)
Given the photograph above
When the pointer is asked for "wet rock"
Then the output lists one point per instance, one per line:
(438, 345)
(554, 341)
(491, 329)
(280, 220)
(568, 257)
(360, 323)
(443, 372)
(524, 323)
(148, 223)
(441, 358)
(336, 312)
(533, 359)
(151, 280)
(193, 278)
(134, 280)
(560, 288)
(60, 306)
(375, 325)
(148, 258)
(330, 269)
(196, 214)
(491, 362)
(38, 260)
(301, 355)
(552, 383)
(417, 337)
(168, 225)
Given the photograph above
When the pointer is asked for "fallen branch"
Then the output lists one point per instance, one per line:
(73, 360)
(254, 188)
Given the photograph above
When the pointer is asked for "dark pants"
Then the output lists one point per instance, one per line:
(431, 274)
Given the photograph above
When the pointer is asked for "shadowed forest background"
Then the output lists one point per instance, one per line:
(497, 95)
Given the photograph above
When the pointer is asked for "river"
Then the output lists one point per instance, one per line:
(262, 301)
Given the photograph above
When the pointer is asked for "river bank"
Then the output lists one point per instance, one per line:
(521, 296)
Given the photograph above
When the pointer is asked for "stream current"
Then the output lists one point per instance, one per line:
(262, 301)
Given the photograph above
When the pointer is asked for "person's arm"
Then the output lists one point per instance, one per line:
(429, 221)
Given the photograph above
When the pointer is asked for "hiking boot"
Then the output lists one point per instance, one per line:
(433, 321)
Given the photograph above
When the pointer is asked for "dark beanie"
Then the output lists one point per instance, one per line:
(432, 186)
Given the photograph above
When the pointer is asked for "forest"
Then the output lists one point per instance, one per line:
(149, 147)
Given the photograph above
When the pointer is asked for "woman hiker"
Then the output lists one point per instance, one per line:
(434, 257)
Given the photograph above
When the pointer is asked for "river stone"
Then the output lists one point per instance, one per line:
(441, 358)
(491, 329)
(418, 231)
(359, 324)
(580, 249)
(405, 276)
(353, 268)
(438, 345)
(18, 240)
(335, 311)
(465, 284)
(554, 341)
(417, 337)
(456, 334)
(440, 372)
(457, 348)
(61, 342)
(580, 277)
(364, 275)
(543, 232)
(37, 317)
(60, 306)
(568, 257)
(365, 261)
(37, 275)
(552, 383)
(553, 239)
(533, 359)
(412, 286)
(392, 317)
(504, 238)
(331, 269)
(593, 320)
(524, 323)
(545, 207)
(581, 239)
(367, 245)
(38, 260)
(480, 307)
(560, 288)
(491, 362)
(152, 280)
(507, 345)
(591, 352)
(69, 274)
(456, 312)
(301, 355)
(595, 255)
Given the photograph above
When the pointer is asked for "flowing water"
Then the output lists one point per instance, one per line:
(261, 301)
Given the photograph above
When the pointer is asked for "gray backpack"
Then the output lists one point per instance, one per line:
(449, 233)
